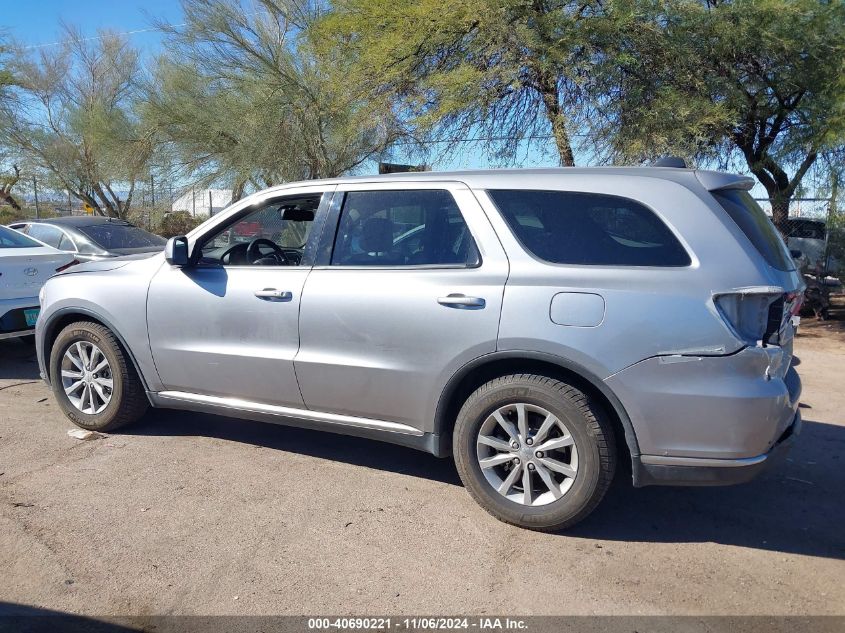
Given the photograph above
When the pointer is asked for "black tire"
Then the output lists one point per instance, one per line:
(128, 399)
(588, 425)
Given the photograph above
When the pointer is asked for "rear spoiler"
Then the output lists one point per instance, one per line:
(715, 180)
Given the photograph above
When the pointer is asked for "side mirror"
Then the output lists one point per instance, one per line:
(176, 251)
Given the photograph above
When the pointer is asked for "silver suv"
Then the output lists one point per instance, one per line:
(542, 327)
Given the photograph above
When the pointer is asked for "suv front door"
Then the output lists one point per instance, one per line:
(407, 288)
(227, 326)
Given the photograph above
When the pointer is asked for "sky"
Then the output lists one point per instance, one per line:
(39, 22)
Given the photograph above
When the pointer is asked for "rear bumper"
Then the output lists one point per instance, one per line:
(654, 470)
(730, 407)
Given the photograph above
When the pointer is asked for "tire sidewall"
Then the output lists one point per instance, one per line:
(473, 414)
(66, 338)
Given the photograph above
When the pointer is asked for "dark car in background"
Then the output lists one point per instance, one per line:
(91, 238)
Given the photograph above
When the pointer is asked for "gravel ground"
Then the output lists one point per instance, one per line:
(195, 514)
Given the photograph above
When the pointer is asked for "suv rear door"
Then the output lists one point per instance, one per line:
(407, 288)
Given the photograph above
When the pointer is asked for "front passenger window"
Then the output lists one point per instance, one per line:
(402, 228)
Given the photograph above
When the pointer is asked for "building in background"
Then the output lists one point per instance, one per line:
(203, 201)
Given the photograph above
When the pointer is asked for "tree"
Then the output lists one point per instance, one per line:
(762, 78)
(7, 181)
(6, 185)
(242, 94)
(72, 115)
(507, 70)
(6, 76)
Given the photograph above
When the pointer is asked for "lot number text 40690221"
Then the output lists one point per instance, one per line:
(414, 624)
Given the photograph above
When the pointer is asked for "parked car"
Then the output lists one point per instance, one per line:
(540, 326)
(25, 264)
(809, 236)
(91, 238)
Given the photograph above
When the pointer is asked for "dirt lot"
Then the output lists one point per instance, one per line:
(196, 514)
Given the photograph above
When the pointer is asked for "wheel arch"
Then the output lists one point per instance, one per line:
(64, 317)
(477, 372)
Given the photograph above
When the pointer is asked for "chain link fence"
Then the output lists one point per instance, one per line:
(815, 234)
(152, 206)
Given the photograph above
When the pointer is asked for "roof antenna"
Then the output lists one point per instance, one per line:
(671, 161)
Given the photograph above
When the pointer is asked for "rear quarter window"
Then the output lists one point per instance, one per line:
(758, 228)
(565, 227)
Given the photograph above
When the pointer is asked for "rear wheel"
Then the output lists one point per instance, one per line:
(534, 451)
(93, 380)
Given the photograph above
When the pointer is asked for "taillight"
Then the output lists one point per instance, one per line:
(794, 301)
(754, 314)
(72, 262)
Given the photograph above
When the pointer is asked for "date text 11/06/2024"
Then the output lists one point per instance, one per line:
(429, 623)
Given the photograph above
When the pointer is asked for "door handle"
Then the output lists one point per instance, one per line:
(272, 293)
(456, 300)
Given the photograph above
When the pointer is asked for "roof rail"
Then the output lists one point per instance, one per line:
(671, 161)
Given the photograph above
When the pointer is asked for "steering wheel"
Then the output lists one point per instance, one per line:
(253, 251)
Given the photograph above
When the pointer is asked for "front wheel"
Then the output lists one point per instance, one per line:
(534, 451)
(93, 380)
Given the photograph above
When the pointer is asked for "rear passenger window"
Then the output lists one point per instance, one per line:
(50, 235)
(66, 245)
(402, 228)
(564, 227)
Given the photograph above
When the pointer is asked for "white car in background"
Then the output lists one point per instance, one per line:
(25, 264)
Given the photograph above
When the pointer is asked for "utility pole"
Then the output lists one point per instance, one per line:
(831, 219)
(152, 191)
(210, 208)
(35, 187)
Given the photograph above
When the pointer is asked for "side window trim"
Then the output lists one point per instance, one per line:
(328, 240)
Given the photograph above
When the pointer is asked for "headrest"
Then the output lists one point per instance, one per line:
(377, 235)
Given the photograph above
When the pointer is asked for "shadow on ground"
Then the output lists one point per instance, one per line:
(21, 618)
(797, 508)
(17, 360)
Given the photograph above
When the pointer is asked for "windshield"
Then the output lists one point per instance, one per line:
(9, 238)
(116, 236)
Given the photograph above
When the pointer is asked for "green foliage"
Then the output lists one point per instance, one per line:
(764, 77)
(178, 223)
(9, 215)
(72, 116)
(6, 77)
(242, 95)
(507, 69)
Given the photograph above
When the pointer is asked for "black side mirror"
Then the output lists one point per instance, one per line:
(176, 251)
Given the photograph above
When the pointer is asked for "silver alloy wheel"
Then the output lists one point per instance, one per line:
(527, 454)
(86, 377)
